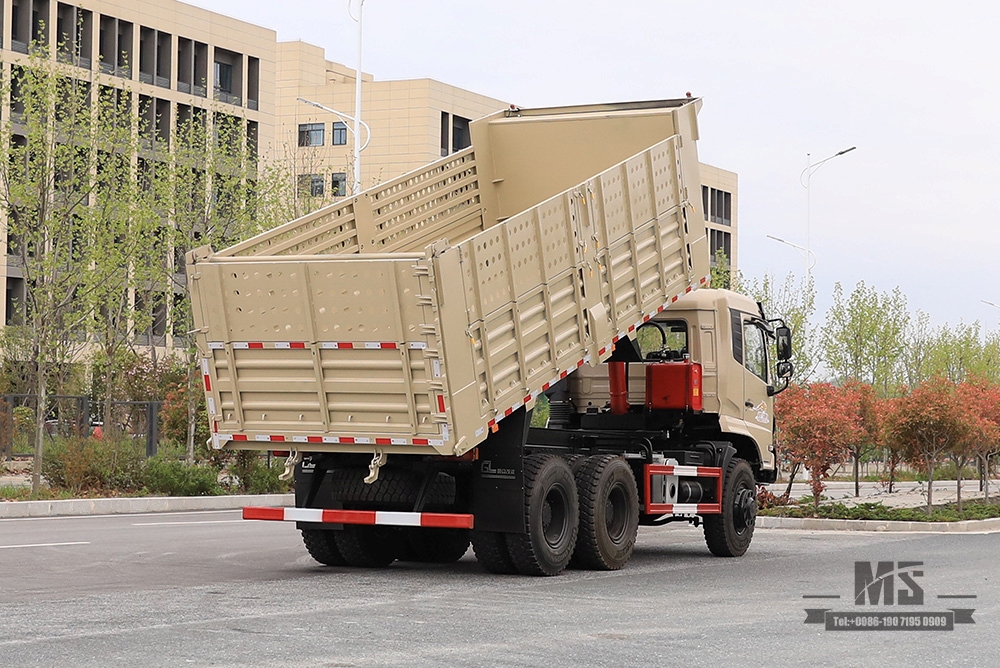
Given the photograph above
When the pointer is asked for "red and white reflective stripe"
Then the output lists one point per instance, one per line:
(688, 508)
(692, 471)
(390, 518)
(205, 375)
(327, 345)
(528, 398)
(704, 280)
(337, 440)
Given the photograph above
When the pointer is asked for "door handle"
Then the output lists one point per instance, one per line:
(748, 404)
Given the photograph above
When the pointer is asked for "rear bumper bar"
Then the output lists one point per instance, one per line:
(371, 517)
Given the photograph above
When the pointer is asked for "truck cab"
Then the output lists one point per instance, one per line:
(725, 336)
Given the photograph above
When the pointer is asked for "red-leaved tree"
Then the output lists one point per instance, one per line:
(985, 398)
(819, 423)
(864, 412)
(930, 423)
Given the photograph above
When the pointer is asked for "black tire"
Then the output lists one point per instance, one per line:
(729, 534)
(575, 462)
(491, 552)
(322, 546)
(435, 546)
(551, 514)
(395, 489)
(609, 514)
(368, 546)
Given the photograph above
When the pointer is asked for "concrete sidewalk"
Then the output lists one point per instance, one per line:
(821, 524)
(145, 504)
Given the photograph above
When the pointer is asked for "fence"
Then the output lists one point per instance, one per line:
(72, 415)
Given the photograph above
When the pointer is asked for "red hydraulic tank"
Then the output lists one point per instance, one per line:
(674, 386)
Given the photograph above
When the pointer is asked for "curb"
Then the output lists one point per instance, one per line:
(991, 525)
(148, 504)
(168, 504)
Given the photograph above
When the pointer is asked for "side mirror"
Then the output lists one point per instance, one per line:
(785, 370)
(783, 342)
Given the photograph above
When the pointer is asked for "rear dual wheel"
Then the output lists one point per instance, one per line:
(551, 516)
(609, 513)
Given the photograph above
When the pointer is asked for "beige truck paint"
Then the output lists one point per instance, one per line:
(416, 315)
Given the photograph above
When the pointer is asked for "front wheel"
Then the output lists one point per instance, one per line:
(729, 533)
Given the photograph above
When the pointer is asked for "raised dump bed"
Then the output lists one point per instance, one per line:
(420, 313)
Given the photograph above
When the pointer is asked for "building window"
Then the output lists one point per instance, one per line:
(718, 205)
(445, 132)
(311, 185)
(223, 77)
(311, 134)
(338, 187)
(339, 134)
(460, 137)
(720, 240)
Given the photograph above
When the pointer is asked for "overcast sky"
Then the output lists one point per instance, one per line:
(915, 85)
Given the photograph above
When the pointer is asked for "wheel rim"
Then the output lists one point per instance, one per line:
(555, 514)
(616, 512)
(744, 509)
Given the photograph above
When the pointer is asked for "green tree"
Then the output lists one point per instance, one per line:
(795, 303)
(47, 186)
(863, 337)
(959, 353)
(722, 271)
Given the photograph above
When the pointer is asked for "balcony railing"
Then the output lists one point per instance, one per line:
(146, 77)
(227, 97)
(162, 82)
(200, 91)
(183, 87)
(251, 104)
(19, 46)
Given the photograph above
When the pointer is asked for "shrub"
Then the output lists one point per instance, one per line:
(767, 499)
(84, 464)
(176, 478)
(254, 476)
(174, 414)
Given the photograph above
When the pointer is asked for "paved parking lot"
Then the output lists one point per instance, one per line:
(207, 589)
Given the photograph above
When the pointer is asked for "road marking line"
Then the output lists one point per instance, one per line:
(7, 547)
(166, 524)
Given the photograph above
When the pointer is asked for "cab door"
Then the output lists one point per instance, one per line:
(758, 407)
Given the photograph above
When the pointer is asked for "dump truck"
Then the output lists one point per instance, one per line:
(395, 345)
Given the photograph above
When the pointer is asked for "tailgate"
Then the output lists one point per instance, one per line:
(336, 350)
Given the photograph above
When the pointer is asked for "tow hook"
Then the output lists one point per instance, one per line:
(378, 461)
(293, 458)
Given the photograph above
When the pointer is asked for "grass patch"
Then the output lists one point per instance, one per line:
(948, 512)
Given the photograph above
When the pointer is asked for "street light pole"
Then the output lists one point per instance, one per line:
(806, 252)
(344, 117)
(807, 174)
(357, 98)
(358, 146)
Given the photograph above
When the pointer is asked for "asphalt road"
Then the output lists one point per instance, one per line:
(208, 589)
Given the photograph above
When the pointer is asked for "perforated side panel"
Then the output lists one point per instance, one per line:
(441, 200)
